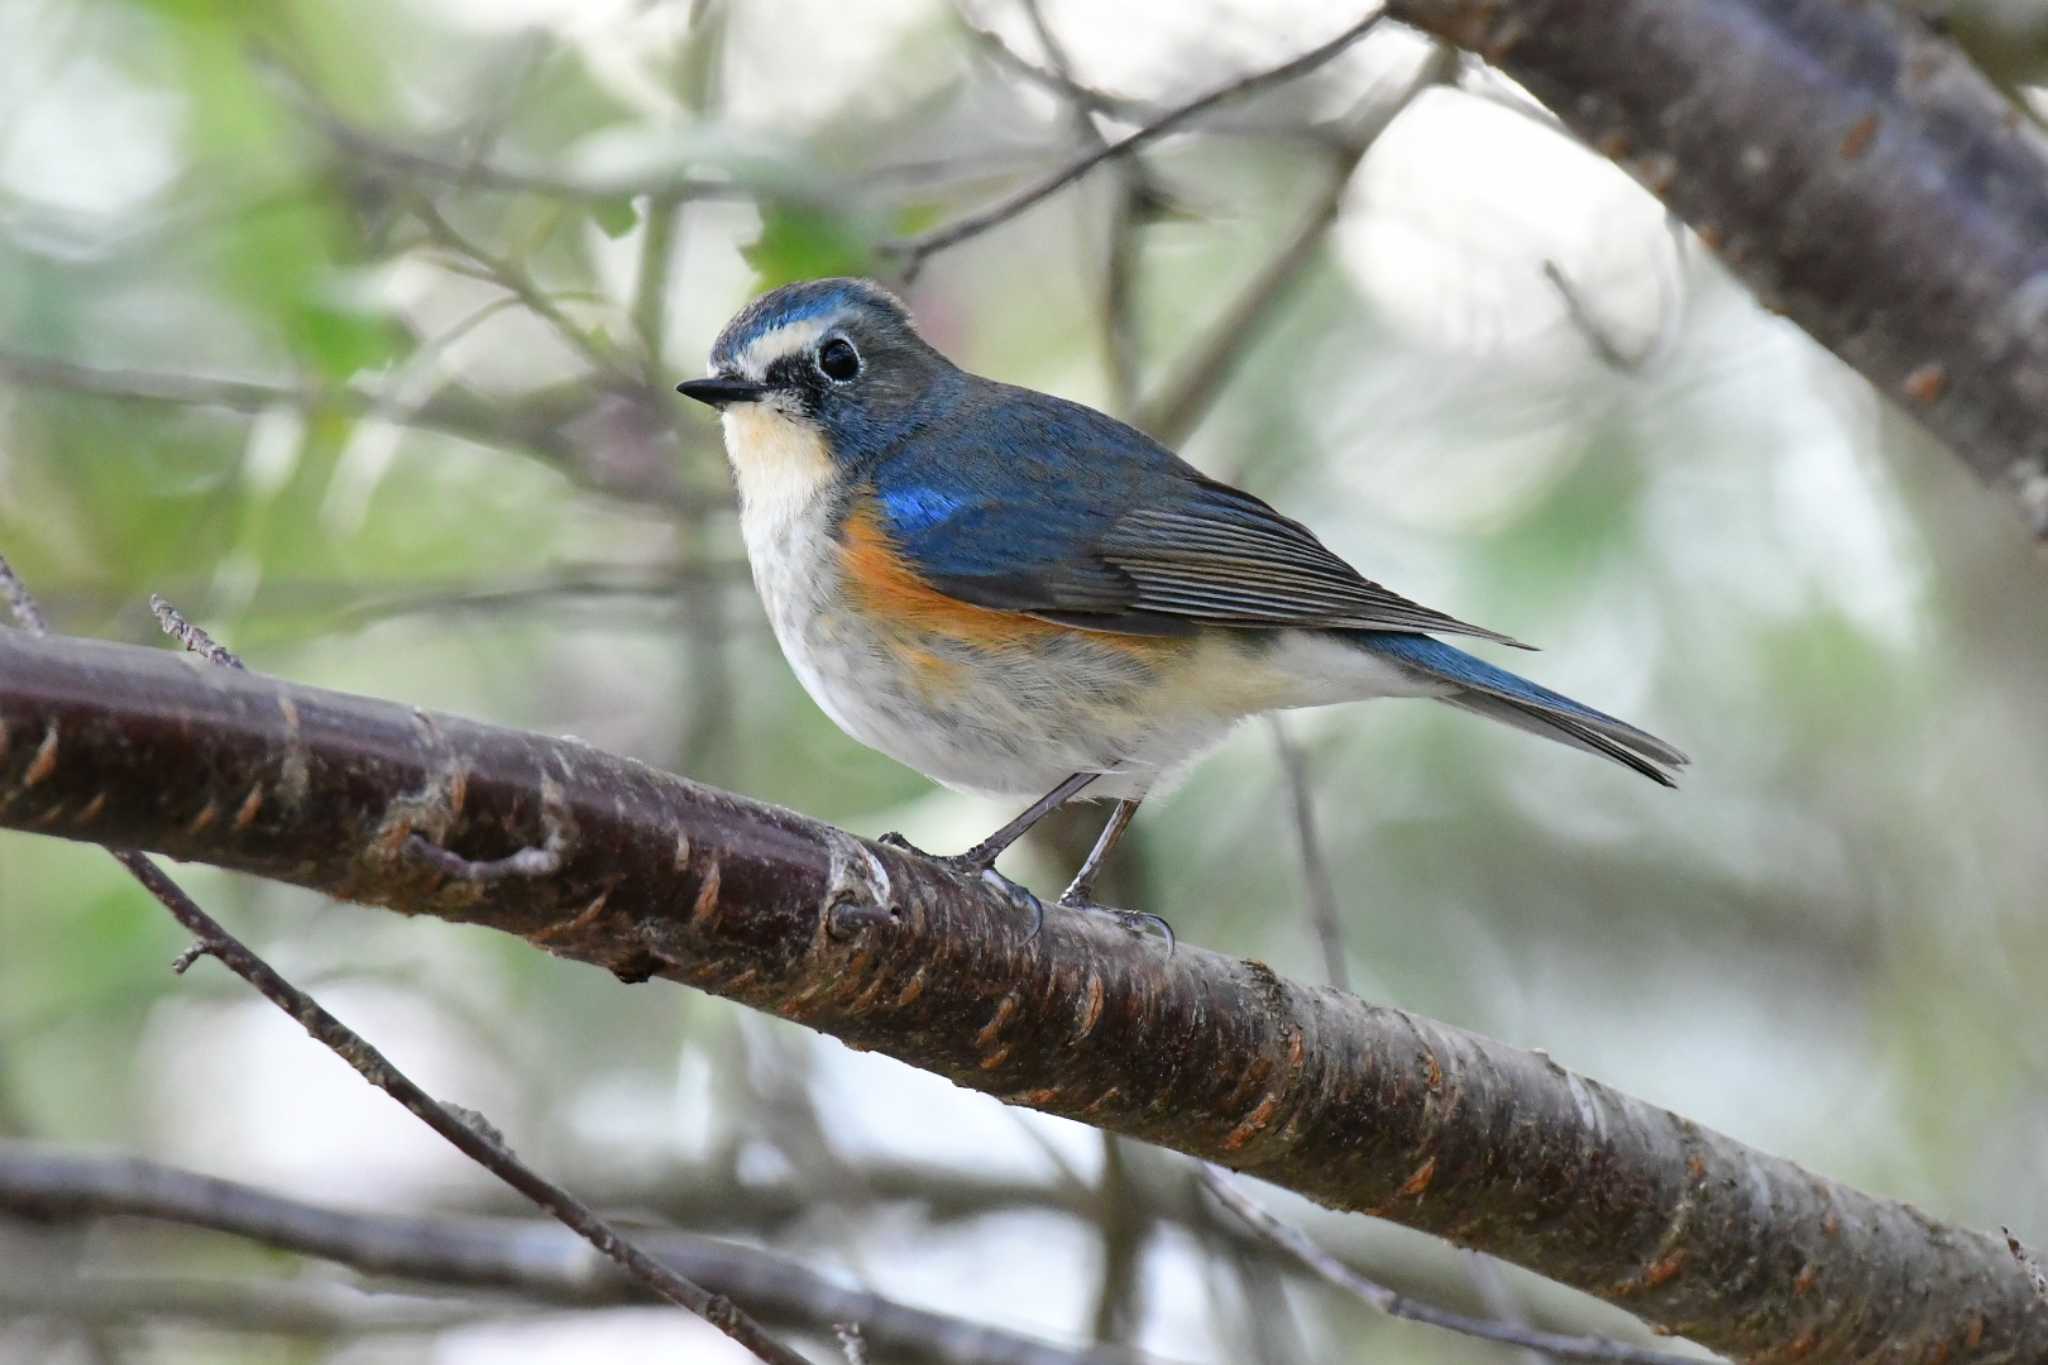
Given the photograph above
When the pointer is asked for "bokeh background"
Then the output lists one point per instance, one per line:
(350, 325)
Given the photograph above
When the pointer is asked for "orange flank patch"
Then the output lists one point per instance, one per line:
(883, 583)
(933, 673)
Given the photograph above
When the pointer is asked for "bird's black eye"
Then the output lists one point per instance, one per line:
(838, 360)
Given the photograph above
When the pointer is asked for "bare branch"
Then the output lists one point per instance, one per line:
(1396, 1305)
(1057, 79)
(1119, 275)
(451, 411)
(1355, 1105)
(195, 640)
(533, 425)
(538, 1260)
(914, 251)
(1846, 162)
(1123, 1226)
(1610, 351)
(1246, 123)
(21, 602)
(279, 1307)
(512, 277)
(412, 157)
(2027, 1262)
(1181, 403)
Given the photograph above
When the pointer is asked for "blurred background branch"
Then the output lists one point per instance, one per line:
(525, 1259)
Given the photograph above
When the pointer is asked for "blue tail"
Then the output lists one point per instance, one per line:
(1516, 701)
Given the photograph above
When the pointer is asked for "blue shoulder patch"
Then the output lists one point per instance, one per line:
(918, 507)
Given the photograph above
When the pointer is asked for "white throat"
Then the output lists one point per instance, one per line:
(780, 462)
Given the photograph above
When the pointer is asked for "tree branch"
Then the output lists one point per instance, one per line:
(915, 250)
(275, 1307)
(452, 412)
(538, 1260)
(1185, 398)
(1357, 1106)
(1396, 1305)
(534, 425)
(1847, 164)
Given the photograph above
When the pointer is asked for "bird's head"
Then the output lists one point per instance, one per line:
(832, 363)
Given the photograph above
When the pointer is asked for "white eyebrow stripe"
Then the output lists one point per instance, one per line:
(788, 339)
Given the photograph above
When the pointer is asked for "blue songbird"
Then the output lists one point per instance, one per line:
(1016, 594)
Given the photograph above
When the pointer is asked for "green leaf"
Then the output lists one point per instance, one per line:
(341, 341)
(615, 217)
(803, 242)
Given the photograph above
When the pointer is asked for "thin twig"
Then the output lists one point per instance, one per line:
(1059, 78)
(1595, 331)
(808, 183)
(1317, 884)
(2027, 1262)
(190, 636)
(353, 1048)
(1119, 275)
(512, 277)
(1483, 1273)
(1398, 1305)
(472, 1140)
(451, 411)
(1186, 396)
(19, 600)
(1126, 108)
(914, 251)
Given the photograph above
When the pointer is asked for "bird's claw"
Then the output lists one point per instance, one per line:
(1137, 921)
(974, 869)
(1018, 895)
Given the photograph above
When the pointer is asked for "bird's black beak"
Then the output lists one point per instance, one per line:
(718, 391)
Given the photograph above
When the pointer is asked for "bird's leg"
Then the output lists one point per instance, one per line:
(984, 854)
(1079, 894)
(980, 860)
(1080, 889)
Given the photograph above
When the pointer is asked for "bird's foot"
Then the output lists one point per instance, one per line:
(976, 866)
(1137, 921)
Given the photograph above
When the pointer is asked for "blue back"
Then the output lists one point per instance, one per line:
(1006, 497)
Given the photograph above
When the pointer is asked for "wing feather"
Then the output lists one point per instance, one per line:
(1077, 518)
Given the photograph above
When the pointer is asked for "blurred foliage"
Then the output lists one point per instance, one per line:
(455, 255)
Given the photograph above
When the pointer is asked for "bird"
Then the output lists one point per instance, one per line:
(1019, 595)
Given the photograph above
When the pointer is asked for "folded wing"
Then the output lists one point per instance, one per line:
(1076, 518)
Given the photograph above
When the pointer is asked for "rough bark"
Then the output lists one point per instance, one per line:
(1355, 1105)
(1846, 162)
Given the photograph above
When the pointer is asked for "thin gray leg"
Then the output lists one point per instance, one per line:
(983, 855)
(1081, 890)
